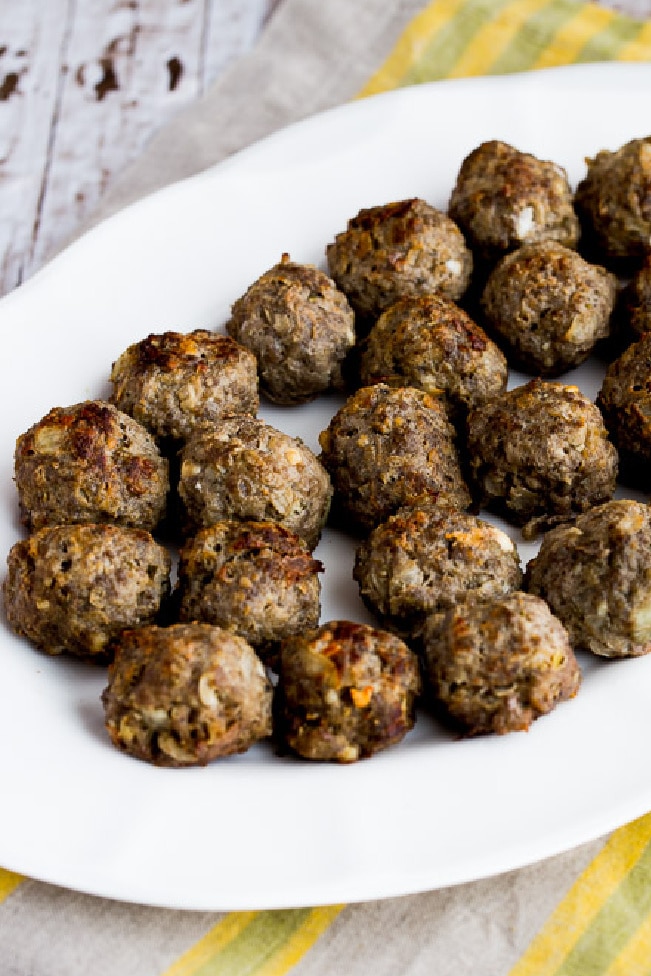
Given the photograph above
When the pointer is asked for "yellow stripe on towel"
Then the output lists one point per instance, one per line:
(8, 883)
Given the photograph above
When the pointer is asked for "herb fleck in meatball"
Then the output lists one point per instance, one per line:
(614, 202)
(346, 691)
(386, 448)
(245, 469)
(636, 300)
(402, 248)
(256, 579)
(73, 588)
(185, 695)
(427, 559)
(541, 454)
(497, 665)
(171, 382)
(596, 576)
(90, 463)
(504, 198)
(299, 326)
(625, 401)
(430, 343)
(549, 306)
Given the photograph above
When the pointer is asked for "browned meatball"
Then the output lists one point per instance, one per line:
(596, 576)
(173, 381)
(504, 198)
(385, 448)
(636, 300)
(497, 665)
(256, 579)
(90, 463)
(625, 401)
(430, 343)
(345, 692)
(549, 306)
(424, 560)
(614, 202)
(185, 695)
(300, 328)
(72, 588)
(402, 248)
(541, 454)
(246, 469)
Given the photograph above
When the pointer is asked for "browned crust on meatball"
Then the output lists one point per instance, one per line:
(625, 401)
(596, 576)
(73, 588)
(540, 453)
(300, 328)
(635, 304)
(185, 695)
(90, 463)
(497, 665)
(504, 198)
(256, 579)
(245, 469)
(346, 691)
(430, 343)
(172, 381)
(406, 247)
(549, 306)
(427, 559)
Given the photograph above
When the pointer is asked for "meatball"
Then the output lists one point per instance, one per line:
(596, 576)
(541, 454)
(300, 328)
(185, 695)
(90, 463)
(386, 448)
(247, 470)
(430, 343)
(635, 302)
(345, 691)
(549, 306)
(614, 202)
(625, 401)
(425, 560)
(402, 248)
(497, 665)
(256, 579)
(73, 588)
(504, 198)
(171, 382)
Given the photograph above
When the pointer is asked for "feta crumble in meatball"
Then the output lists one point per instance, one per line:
(497, 665)
(300, 328)
(90, 463)
(185, 695)
(346, 691)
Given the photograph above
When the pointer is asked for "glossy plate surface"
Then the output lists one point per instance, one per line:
(260, 831)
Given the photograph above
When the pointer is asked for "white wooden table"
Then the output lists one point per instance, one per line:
(85, 83)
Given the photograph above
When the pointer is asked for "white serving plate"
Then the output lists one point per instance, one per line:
(259, 831)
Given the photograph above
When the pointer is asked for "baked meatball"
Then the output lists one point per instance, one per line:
(300, 328)
(90, 463)
(73, 588)
(345, 691)
(635, 304)
(596, 576)
(402, 248)
(540, 453)
(625, 401)
(256, 579)
(186, 694)
(497, 665)
(171, 382)
(549, 307)
(385, 448)
(430, 343)
(614, 202)
(245, 469)
(504, 198)
(427, 559)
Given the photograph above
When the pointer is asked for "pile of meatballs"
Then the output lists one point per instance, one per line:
(416, 324)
